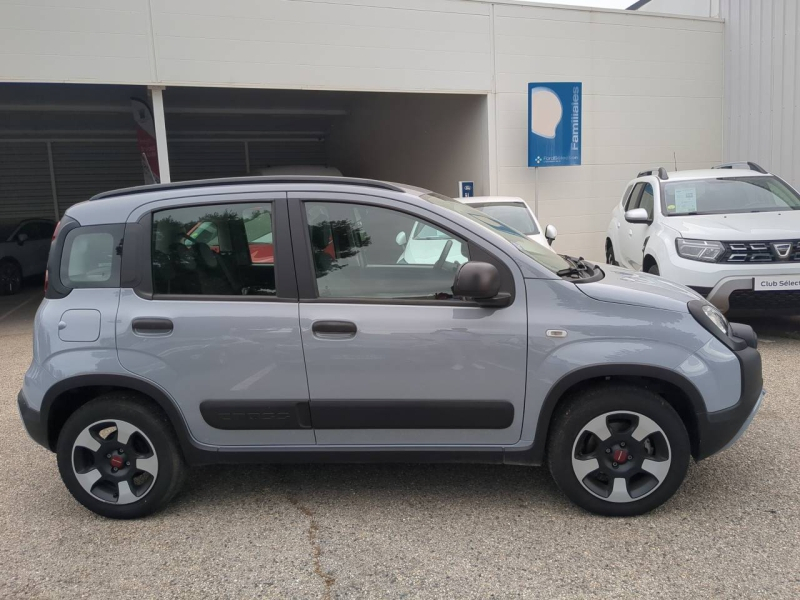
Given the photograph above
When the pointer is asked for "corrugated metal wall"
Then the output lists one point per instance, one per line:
(762, 84)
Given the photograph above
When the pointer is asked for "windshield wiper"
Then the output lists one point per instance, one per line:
(579, 267)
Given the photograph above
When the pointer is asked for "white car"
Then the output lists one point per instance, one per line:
(426, 244)
(516, 213)
(24, 247)
(731, 233)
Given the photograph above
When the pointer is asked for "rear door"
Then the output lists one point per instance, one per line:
(211, 316)
(392, 358)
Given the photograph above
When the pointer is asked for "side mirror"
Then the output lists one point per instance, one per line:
(401, 239)
(550, 232)
(637, 215)
(22, 238)
(480, 281)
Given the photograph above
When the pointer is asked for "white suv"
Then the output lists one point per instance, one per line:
(731, 233)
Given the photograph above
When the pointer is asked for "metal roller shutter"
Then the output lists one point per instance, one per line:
(25, 181)
(281, 153)
(84, 169)
(190, 160)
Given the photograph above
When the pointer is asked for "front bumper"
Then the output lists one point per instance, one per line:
(719, 430)
(32, 419)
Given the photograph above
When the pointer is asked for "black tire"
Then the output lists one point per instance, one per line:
(653, 270)
(10, 277)
(610, 258)
(132, 409)
(570, 421)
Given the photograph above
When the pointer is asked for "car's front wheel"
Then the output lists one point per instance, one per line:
(618, 450)
(10, 277)
(118, 456)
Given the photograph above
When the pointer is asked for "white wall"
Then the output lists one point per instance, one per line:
(429, 140)
(762, 84)
(428, 45)
(652, 86)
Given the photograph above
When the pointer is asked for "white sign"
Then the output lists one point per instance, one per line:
(776, 283)
(685, 200)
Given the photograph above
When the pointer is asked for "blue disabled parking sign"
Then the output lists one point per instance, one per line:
(555, 119)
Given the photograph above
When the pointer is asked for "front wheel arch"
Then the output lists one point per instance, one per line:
(678, 391)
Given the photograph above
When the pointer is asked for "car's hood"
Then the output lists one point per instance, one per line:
(738, 226)
(641, 289)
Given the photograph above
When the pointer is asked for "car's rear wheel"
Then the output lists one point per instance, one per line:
(118, 457)
(10, 277)
(618, 450)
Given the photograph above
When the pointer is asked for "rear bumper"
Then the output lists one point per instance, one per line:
(719, 430)
(32, 419)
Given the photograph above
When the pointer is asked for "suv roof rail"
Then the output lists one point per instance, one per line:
(743, 164)
(200, 183)
(661, 172)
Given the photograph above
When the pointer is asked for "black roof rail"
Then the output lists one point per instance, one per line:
(201, 183)
(742, 165)
(660, 171)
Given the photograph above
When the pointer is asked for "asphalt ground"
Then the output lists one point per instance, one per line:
(408, 531)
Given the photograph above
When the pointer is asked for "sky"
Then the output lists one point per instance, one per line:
(598, 3)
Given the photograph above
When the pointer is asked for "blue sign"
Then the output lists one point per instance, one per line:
(466, 189)
(554, 124)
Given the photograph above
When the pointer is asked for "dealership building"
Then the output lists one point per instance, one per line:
(425, 92)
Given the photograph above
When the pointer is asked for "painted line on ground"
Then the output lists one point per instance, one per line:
(18, 306)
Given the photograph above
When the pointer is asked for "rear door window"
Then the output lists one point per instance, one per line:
(214, 250)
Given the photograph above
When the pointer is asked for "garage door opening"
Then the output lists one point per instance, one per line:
(61, 144)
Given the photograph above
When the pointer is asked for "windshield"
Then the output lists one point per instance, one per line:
(511, 213)
(544, 256)
(728, 195)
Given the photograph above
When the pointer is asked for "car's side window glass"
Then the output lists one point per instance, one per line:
(370, 252)
(214, 250)
(634, 197)
(35, 230)
(646, 200)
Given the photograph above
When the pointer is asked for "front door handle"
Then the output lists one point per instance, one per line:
(334, 329)
(153, 326)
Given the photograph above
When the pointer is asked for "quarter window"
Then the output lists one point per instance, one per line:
(215, 250)
(91, 258)
(370, 252)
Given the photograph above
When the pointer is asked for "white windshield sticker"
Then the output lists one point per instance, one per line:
(685, 200)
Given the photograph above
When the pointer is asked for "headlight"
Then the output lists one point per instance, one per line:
(717, 318)
(699, 249)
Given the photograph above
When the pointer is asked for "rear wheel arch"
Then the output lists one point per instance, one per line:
(68, 395)
(678, 391)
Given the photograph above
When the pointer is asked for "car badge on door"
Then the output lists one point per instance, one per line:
(782, 249)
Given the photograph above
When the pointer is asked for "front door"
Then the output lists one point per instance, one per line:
(215, 321)
(392, 358)
(634, 235)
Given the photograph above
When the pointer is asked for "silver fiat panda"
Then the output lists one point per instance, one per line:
(273, 319)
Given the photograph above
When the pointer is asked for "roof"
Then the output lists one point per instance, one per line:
(491, 200)
(712, 174)
(234, 181)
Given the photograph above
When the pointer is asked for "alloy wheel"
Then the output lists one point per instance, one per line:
(114, 461)
(621, 456)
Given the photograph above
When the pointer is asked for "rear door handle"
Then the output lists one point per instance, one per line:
(152, 326)
(334, 329)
